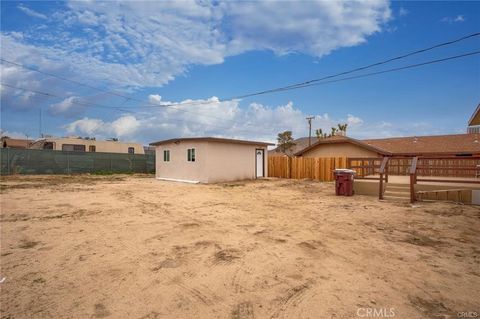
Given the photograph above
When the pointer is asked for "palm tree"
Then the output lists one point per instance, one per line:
(320, 134)
(342, 127)
(334, 131)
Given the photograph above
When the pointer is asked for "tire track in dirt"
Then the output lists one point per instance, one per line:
(238, 281)
(292, 298)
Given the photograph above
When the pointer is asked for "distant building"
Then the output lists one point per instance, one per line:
(15, 142)
(78, 144)
(474, 122)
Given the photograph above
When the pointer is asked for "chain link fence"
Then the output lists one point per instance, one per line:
(30, 161)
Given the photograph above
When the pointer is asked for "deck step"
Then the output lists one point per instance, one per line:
(396, 198)
(396, 194)
(405, 188)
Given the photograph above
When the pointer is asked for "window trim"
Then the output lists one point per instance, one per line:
(191, 155)
(166, 155)
(82, 146)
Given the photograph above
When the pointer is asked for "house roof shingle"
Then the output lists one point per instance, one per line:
(342, 139)
(434, 144)
(401, 146)
(210, 139)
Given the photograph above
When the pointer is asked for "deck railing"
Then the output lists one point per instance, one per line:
(424, 169)
(450, 169)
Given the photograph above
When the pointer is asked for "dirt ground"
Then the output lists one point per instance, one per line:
(136, 247)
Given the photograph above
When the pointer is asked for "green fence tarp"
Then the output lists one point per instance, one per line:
(29, 161)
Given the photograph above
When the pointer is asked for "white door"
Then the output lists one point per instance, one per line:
(260, 163)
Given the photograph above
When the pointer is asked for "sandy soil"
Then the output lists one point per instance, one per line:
(135, 247)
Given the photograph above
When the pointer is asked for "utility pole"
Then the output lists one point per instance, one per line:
(40, 122)
(309, 119)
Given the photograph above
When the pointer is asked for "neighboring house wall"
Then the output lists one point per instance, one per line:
(339, 150)
(214, 161)
(100, 146)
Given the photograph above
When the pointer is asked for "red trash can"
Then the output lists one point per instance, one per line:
(344, 182)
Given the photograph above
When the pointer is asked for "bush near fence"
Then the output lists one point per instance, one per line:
(319, 168)
(31, 161)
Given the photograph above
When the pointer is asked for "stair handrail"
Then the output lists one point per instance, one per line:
(383, 171)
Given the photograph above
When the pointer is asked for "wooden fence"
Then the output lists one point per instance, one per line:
(427, 166)
(318, 168)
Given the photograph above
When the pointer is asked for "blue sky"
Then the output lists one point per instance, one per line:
(166, 53)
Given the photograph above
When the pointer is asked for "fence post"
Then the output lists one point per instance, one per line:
(413, 179)
(110, 157)
(68, 163)
(8, 161)
(289, 168)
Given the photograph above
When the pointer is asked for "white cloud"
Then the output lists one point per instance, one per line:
(353, 120)
(68, 107)
(224, 119)
(31, 13)
(450, 20)
(124, 126)
(402, 12)
(137, 44)
(14, 134)
(227, 119)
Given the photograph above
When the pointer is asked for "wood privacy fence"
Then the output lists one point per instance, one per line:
(426, 166)
(319, 168)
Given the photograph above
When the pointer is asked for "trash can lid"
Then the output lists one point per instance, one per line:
(344, 170)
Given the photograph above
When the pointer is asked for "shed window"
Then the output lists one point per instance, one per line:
(191, 155)
(73, 147)
(92, 148)
(131, 150)
(166, 155)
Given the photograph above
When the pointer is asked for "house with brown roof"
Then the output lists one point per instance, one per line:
(435, 145)
(210, 159)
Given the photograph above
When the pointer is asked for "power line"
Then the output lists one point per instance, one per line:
(301, 84)
(274, 90)
(284, 89)
(51, 95)
(169, 105)
(386, 71)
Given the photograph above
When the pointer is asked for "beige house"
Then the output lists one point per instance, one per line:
(434, 145)
(210, 160)
(78, 144)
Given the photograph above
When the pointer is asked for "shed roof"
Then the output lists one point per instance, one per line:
(210, 139)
